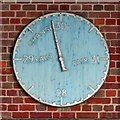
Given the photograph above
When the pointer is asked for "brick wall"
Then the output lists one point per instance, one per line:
(15, 103)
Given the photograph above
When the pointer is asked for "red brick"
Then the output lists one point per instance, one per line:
(97, 107)
(109, 7)
(4, 35)
(53, 7)
(29, 100)
(27, 107)
(115, 14)
(40, 115)
(117, 7)
(118, 93)
(108, 107)
(5, 20)
(15, 21)
(3, 78)
(50, 108)
(22, 93)
(15, 7)
(34, 14)
(26, 20)
(112, 85)
(3, 49)
(87, 115)
(13, 34)
(17, 100)
(114, 57)
(3, 107)
(118, 35)
(87, 7)
(99, 21)
(99, 100)
(115, 71)
(8, 28)
(40, 107)
(112, 50)
(7, 85)
(118, 78)
(67, 115)
(28, 7)
(8, 14)
(75, 108)
(6, 100)
(75, 7)
(19, 27)
(98, 7)
(110, 79)
(2, 64)
(17, 86)
(41, 7)
(116, 100)
(111, 35)
(2, 26)
(64, 7)
(108, 42)
(83, 14)
(11, 93)
(7, 42)
(118, 22)
(6, 115)
(86, 108)
(7, 71)
(20, 114)
(56, 115)
(12, 107)
(115, 43)
(110, 21)
(117, 108)
(5, 6)
(110, 29)
(99, 14)
(109, 115)
(20, 13)
(101, 94)
(2, 92)
(9, 62)
(118, 64)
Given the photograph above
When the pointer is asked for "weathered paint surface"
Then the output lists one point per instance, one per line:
(38, 70)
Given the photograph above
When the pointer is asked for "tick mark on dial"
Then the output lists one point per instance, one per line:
(30, 88)
(90, 29)
(17, 59)
(30, 29)
(91, 88)
(60, 17)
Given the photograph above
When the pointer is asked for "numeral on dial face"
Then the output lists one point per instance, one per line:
(61, 93)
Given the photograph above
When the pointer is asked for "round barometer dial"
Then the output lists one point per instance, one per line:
(61, 59)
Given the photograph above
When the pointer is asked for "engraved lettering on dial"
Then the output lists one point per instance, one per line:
(58, 26)
(34, 59)
(96, 59)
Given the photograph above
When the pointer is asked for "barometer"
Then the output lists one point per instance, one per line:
(61, 59)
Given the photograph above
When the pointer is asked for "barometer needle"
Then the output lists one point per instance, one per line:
(60, 56)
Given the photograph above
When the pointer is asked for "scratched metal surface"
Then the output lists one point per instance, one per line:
(37, 67)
